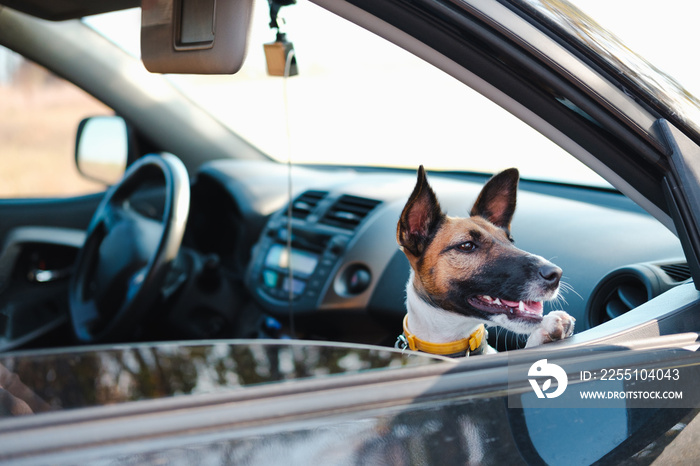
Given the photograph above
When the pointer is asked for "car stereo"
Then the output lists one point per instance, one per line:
(292, 272)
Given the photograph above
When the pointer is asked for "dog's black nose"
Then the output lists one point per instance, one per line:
(550, 273)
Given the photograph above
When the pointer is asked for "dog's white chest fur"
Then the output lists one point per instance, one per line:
(432, 323)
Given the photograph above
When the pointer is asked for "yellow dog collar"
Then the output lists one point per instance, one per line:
(468, 345)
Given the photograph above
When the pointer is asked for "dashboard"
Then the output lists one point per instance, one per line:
(323, 250)
(317, 259)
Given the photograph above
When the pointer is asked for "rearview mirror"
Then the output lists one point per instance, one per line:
(194, 36)
(102, 148)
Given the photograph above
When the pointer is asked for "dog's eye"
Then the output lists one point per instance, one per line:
(467, 246)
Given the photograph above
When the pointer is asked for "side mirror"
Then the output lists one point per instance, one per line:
(102, 148)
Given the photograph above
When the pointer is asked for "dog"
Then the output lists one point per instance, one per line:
(466, 272)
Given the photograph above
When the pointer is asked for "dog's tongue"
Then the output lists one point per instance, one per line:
(532, 307)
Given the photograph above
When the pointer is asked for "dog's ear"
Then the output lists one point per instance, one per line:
(420, 218)
(496, 202)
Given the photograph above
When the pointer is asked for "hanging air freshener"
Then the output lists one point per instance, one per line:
(280, 57)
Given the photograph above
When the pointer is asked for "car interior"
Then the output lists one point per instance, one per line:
(221, 241)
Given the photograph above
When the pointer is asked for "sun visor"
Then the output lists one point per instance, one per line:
(194, 36)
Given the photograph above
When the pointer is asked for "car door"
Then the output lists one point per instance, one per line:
(261, 402)
(45, 203)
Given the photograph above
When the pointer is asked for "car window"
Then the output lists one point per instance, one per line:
(39, 117)
(57, 380)
(360, 100)
(675, 22)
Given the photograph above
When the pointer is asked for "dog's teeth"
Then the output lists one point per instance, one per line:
(497, 301)
(521, 306)
(487, 298)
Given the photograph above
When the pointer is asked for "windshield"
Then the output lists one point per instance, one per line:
(360, 100)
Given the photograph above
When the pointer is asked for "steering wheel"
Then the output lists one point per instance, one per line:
(126, 254)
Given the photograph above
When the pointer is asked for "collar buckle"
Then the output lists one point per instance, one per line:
(401, 342)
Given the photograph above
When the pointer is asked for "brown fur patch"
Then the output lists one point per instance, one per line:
(442, 262)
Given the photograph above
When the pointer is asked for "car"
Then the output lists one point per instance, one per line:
(230, 289)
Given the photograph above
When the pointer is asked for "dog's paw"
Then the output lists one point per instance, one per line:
(555, 326)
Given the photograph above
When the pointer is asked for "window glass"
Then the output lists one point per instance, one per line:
(39, 117)
(51, 381)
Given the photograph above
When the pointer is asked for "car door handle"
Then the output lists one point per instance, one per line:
(46, 276)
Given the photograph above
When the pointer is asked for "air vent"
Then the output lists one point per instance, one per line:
(677, 272)
(625, 297)
(306, 203)
(628, 287)
(348, 211)
(615, 296)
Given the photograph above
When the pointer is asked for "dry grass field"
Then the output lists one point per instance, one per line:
(39, 116)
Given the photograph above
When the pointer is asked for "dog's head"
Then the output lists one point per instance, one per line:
(470, 265)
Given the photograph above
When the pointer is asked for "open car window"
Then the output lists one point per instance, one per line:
(39, 114)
